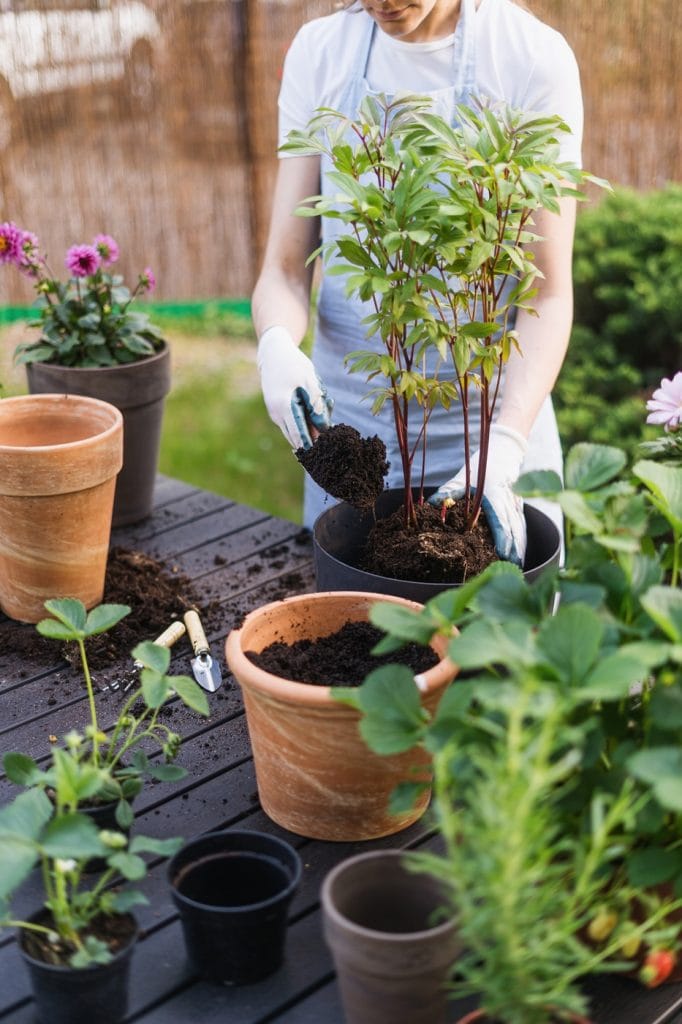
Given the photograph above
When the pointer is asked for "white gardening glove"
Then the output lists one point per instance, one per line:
(294, 395)
(504, 509)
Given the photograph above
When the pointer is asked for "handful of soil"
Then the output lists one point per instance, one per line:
(347, 466)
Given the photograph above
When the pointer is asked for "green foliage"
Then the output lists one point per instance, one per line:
(91, 767)
(628, 278)
(628, 315)
(111, 766)
(435, 221)
(557, 765)
(52, 833)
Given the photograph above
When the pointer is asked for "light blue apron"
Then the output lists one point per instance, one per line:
(340, 329)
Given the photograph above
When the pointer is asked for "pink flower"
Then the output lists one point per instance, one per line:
(147, 279)
(107, 248)
(665, 405)
(82, 260)
(30, 260)
(10, 242)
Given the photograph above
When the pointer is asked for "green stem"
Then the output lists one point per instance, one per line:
(91, 701)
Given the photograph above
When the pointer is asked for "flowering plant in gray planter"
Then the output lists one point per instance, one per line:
(86, 320)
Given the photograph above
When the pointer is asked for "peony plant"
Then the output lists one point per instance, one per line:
(87, 320)
(437, 238)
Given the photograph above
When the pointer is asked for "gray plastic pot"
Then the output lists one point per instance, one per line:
(139, 391)
(393, 950)
(340, 534)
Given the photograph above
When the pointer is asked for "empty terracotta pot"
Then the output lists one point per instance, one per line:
(59, 456)
(315, 775)
(393, 937)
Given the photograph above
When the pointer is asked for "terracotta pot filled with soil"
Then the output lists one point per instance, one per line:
(364, 543)
(315, 775)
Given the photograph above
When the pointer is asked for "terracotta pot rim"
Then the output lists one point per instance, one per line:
(362, 931)
(292, 692)
(95, 403)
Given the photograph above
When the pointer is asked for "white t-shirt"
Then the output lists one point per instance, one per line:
(519, 61)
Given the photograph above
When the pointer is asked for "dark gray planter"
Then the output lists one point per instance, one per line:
(139, 391)
(340, 534)
(393, 939)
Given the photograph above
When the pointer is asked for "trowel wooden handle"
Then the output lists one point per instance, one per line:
(170, 635)
(196, 632)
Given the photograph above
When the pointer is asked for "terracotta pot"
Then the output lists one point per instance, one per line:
(59, 456)
(393, 956)
(139, 391)
(340, 534)
(315, 775)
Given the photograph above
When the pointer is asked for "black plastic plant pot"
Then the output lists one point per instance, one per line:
(233, 891)
(104, 817)
(66, 995)
(340, 534)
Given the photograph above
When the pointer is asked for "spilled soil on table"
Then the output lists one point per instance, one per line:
(156, 595)
(342, 658)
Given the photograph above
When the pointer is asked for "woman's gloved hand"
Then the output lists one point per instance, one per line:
(294, 396)
(504, 509)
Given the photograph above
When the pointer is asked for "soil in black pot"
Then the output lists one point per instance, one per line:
(346, 465)
(436, 551)
(343, 658)
(116, 931)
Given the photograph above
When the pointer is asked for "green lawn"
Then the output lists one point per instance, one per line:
(228, 445)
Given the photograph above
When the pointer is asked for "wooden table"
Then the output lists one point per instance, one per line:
(241, 558)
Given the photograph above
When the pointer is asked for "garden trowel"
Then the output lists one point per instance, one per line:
(166, 639)
(206, 671)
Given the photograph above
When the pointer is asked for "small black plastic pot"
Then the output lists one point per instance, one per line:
(65, 995)
(104, 817)
(233, 891)
(340, 534)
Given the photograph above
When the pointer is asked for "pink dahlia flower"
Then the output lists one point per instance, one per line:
(147, 279)
(82, 260)
(665, 405)
(10, 242)
(107, 247)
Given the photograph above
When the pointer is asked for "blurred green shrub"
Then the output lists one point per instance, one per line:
(628, 315)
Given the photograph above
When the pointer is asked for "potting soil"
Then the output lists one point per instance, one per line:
(343, 658)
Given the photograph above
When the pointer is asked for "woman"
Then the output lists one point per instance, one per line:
(453, 50)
